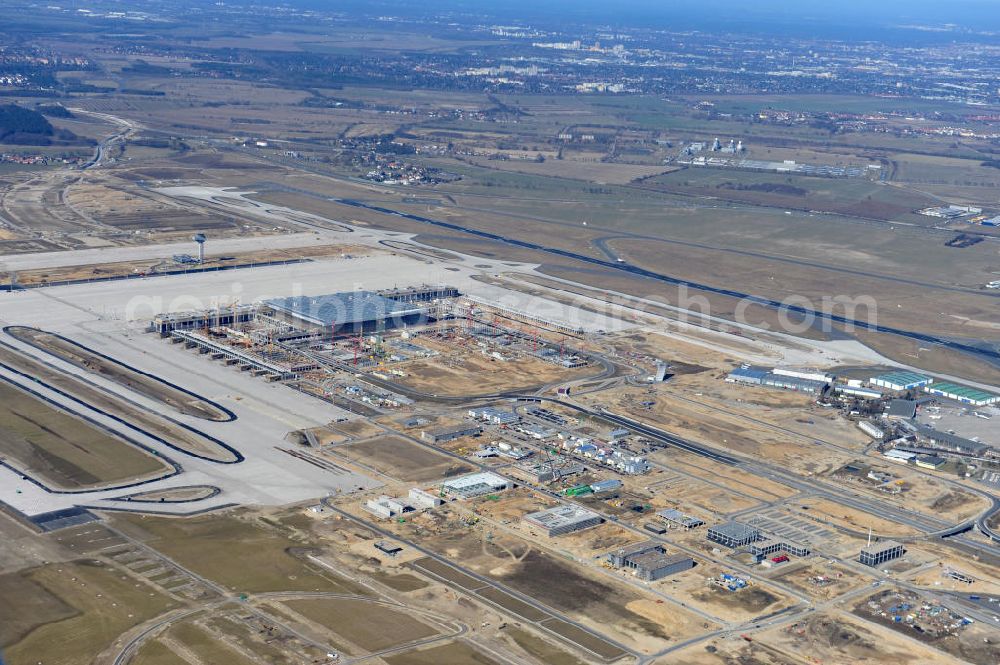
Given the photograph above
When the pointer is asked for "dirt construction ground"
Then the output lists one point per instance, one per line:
(402, 459)
(831, 639)
(470, 373)
(597, 601)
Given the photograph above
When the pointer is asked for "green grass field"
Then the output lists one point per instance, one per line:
(104, 604)
(64, 450)
(241, 555)
(370, 626)
(453, 653)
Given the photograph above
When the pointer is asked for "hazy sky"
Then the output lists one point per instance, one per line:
(981, 14)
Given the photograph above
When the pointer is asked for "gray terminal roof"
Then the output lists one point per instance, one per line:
(342, 308)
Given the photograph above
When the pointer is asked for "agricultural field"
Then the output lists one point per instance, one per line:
(856, 197)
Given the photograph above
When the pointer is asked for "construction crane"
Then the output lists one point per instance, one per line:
(236, 307)
(556, 475)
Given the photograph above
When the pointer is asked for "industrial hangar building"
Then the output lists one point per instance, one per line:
(350, 311)
(760, 376)
(446, 434)
(650, 561)
(951, 442)
(562, 520)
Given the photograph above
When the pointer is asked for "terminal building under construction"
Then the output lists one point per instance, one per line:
(343, 312)
(353, 311)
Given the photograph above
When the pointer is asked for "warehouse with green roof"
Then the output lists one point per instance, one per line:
(962, 394)
(901, 380)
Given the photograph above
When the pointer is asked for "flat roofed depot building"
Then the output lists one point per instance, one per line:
(388, 548)
(930, 462)
(387, 506)
(901, 409)
(609, 485)
(347, 311)
(856, 391)
(650, 561)
(563, 519)
(878, 553)
(475, 484)
(446, 434)
(495, 415)
(676, 518)
(733, 534)
(899, 456)
(423, 499)
(808, 373)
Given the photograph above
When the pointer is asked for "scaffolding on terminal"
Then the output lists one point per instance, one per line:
(423, 294)
(165, 324)
(234, 356)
